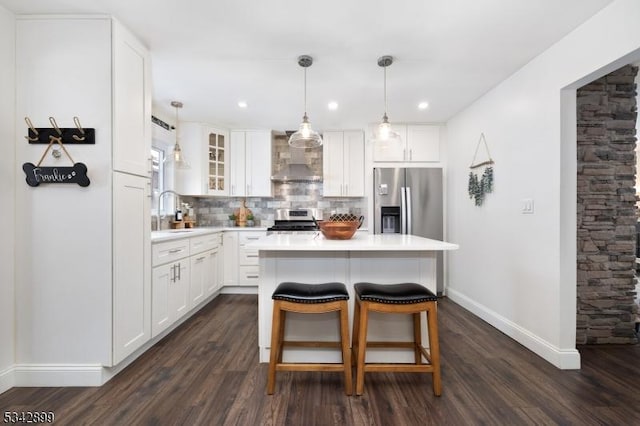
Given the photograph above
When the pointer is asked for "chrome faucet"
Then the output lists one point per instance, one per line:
(168, 191)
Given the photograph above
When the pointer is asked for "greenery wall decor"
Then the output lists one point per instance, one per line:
(479, 187)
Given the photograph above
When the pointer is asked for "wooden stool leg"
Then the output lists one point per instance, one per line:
(276, 327)
(283, 322)
(434, 347)
(362, 346)
(354, 334)
(417, 338)
(346, 351)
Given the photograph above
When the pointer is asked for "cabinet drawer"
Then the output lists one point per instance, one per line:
(204, 243)
(248, 256)
(169, 251)
(250, 236)
(249, 275)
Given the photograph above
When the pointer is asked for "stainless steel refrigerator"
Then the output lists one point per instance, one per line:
(409, 201)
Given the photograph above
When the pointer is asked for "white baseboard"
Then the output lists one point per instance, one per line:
(237, 289)
(565, 359)
(47, 375)
(7, 379)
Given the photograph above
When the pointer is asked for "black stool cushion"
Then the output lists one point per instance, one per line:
(405, 293)
(310, 293)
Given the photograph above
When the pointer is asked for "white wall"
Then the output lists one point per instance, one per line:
(516, 270)
(63, 231)
(7, 196)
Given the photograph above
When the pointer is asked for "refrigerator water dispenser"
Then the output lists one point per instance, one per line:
(390, 219)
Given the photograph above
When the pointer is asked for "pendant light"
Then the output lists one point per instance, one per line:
(177, 157)
(384, 134)
(305, 137)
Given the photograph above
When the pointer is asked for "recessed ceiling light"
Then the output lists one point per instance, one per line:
(242, 104)
(332, 105)
(423, 105)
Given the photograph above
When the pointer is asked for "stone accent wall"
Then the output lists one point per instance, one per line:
(607, 212)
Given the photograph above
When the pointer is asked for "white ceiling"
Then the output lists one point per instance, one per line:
(210, 54)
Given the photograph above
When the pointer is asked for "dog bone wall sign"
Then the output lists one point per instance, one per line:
(35, 175)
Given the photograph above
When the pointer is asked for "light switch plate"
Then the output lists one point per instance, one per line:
(527, 206)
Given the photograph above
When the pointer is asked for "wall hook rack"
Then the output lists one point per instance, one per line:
(37, 174)
(68, 135)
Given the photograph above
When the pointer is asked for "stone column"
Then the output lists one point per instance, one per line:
(607, 212)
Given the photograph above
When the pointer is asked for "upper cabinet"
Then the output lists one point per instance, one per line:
(217, 170)
(250, 174)
(343, 163)
(206, 147)
(420, 143)
(131, 103)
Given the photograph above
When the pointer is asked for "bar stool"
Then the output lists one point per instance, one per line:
(407, 298)
(309, 298)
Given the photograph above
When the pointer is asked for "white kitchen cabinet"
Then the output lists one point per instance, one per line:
(250, 163)
(206, 148)
(213, 282)
(343, 164)
(241, 263)
(248, 260)
(221, 263)
(131, 264)
(162, 278)
(200, 265)
(170, 294)
(131, 103)
(170, 284)
(204, 267)
(419, 143)
(92, 306)
(230, 244)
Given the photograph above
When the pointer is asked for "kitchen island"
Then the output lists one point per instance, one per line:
(308, 258)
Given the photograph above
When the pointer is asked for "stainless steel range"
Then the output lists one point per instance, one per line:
(295, 221)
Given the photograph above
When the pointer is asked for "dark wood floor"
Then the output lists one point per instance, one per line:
(207, 373)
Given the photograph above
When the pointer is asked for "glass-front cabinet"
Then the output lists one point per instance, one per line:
(207, 149)
(217, 163)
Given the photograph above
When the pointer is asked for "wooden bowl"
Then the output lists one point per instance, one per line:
(338, 230)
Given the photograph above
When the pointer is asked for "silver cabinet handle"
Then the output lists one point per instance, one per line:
(253, 276)
(253, 238)
(173, 251)
(173, 273)
(404, 154)
(179, 272)
(410, 154)
(200, 258)
(252, 255)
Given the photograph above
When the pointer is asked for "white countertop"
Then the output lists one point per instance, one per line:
(174, 234)
(362, 241)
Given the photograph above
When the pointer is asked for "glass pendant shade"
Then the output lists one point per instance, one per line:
(384, 134)
(177, 158)
(305, 137)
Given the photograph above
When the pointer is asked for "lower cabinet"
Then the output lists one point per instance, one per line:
(230, 243)
(185, 273)
(131, 264)
(241, 263)
(205, 276)
(169, 294)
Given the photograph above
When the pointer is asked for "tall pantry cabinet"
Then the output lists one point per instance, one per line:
(82, 253)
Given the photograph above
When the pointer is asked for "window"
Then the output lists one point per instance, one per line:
(157, 176)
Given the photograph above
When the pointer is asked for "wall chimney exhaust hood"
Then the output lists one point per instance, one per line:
(297, 169)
